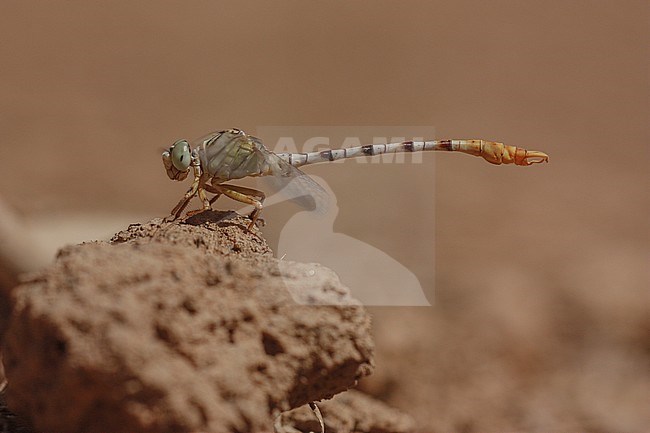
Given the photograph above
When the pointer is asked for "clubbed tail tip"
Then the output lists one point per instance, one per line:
(530, 157)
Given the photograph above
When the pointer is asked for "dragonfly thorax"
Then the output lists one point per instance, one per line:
(233, 154)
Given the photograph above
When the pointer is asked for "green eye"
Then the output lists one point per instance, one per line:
(181, 156)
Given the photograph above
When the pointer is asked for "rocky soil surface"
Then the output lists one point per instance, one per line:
(189, 326)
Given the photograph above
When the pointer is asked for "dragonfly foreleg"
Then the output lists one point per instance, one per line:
(196, 187)
(244, 195)
(178, 209)
(182, 204)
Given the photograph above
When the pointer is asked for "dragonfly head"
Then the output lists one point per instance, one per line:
(177, 160)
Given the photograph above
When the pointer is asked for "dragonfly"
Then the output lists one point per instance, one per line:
(231, 154)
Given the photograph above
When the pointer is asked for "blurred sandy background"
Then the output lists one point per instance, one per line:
(541, 316)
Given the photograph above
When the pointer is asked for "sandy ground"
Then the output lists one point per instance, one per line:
(537, 276)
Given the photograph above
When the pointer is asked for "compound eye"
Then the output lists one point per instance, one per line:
(181, 156)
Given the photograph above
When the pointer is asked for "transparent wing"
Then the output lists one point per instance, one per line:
(278, 175)
(294, 184)
(199, 141)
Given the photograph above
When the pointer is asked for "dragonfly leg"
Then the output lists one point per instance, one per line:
(244, 195)
(248, 191)
(254, 193)
(209, 188)
(189, 195)
(204, 198)
(178, 209)
(213, 199)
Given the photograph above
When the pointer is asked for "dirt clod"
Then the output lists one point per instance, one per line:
(351, 412)
(214, 232)
(169, 329)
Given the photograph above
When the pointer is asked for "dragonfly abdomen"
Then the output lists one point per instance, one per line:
(493, 152)
(300, 159)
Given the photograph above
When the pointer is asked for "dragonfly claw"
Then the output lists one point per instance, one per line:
(169, 218)
(499, 153)
(529, 157)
